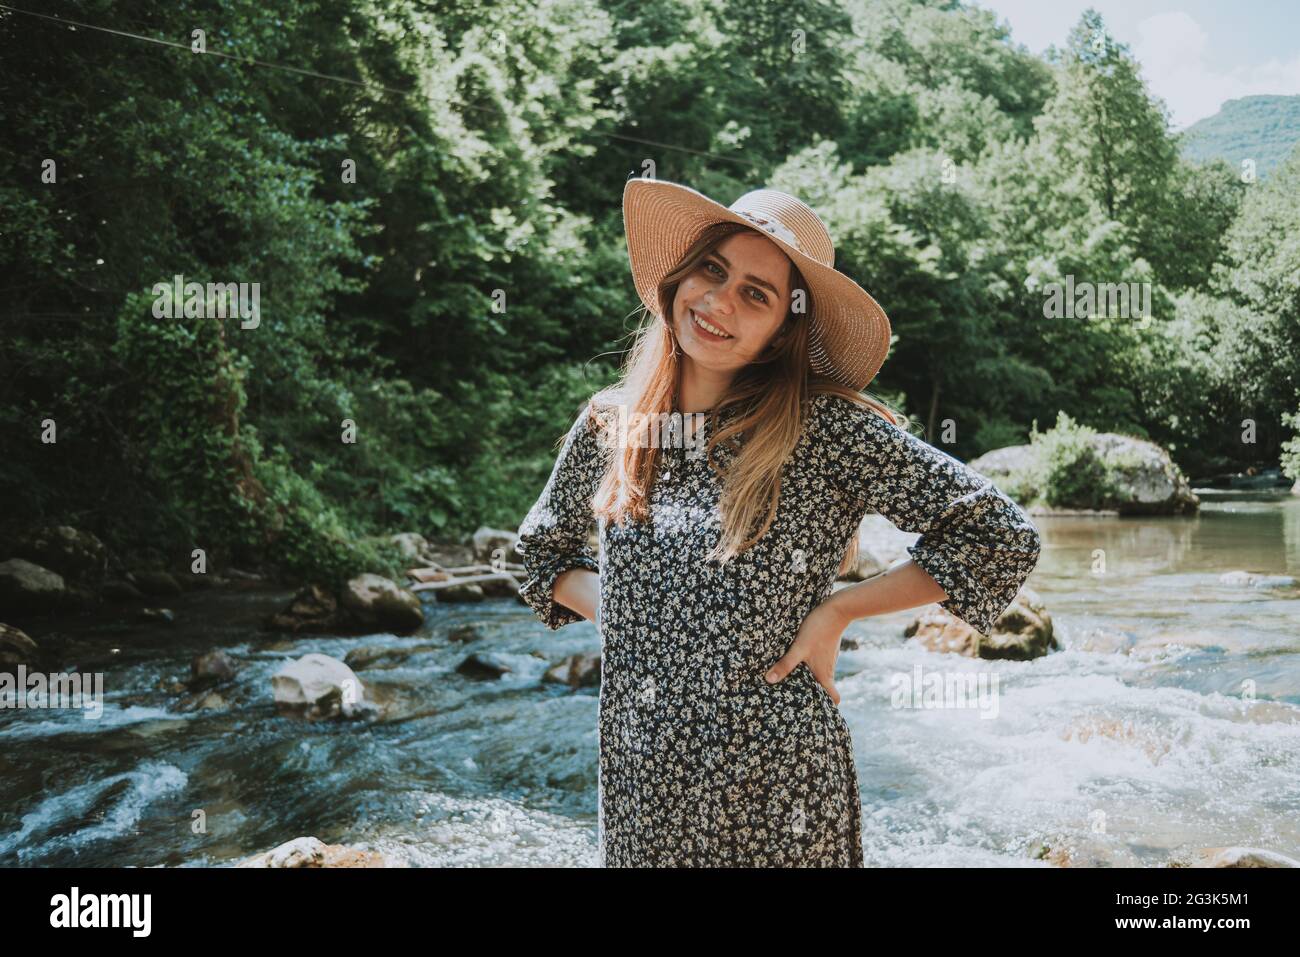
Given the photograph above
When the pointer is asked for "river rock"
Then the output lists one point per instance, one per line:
(880, 544)
(155, 582)
(199, 701)
(1250, 580)
(160, 616)
(1022, 632)
(211, 668)
(1245, 857)
(1105, 641)
(17, 648)
(313, 609)
(318, 686)
(25, 586)
(73, 554)
(502, 585)
(483, 665)
(464, 633)
(450, 554)
(488, 540)
(461, 593)
(312, 852)
(379, 602)
(360, 658)
(576, 671)
(1149, 481)
(411, 546)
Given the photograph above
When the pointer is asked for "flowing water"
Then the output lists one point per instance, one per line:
(1168, 722)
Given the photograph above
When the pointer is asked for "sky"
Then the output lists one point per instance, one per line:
(1195, 54)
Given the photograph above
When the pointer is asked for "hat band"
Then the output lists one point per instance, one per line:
(777, 228)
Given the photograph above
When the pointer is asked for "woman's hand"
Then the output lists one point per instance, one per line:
(818, 644)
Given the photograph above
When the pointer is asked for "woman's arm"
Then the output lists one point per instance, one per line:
(579, 590)
(553, 535)
(976, 543)
(904, 586)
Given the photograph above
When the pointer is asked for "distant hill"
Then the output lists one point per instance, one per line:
(1262, 128)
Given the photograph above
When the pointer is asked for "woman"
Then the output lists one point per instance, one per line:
(721, 741)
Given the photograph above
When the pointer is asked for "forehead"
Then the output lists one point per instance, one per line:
(751, 253)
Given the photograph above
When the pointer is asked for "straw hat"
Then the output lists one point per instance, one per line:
(849, 333)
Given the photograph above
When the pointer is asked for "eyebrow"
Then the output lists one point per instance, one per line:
(751, 277)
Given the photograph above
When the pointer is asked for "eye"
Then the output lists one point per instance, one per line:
(762, 297)
(710, 264)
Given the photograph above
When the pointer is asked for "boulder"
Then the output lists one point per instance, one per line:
(483, 665)
(1022, 632)
(461, 593)
(313, 609)
(1245, 579)
(360, 658)
(211, 668)
(1245, 857)
(1148, 482)
(411, 546)
(199, 701)
(496, 543)
(25, 586)
(502, 585)
(318, 686)
(16, 649)
(160, 616)
(73, 554)
(576, 671)
(880, 544)
(450, 554)
(379, 602)
(464, 633)
(311, 852)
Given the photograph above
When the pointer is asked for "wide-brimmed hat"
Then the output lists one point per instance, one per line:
(849, 332)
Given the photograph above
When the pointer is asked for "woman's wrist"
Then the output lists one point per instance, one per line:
(839, 609)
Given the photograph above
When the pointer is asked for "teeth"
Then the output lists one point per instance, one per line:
(713, 329)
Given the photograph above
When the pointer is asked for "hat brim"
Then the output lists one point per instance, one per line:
(849, 332)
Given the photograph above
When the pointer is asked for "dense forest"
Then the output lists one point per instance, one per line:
(428, 193)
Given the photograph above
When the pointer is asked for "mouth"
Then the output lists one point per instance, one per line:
(707, 330)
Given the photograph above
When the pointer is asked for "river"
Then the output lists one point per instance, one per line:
(1168, 722)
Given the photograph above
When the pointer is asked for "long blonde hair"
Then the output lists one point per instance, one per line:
(770, 395)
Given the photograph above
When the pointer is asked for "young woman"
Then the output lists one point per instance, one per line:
(721, 740)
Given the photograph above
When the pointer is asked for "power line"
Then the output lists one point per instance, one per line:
(253, 61)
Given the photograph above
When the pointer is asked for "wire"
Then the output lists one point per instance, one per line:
(253, 61)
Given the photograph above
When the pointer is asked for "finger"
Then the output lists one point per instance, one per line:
(783, 667)
(829, 686)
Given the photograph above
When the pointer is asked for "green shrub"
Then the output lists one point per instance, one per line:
(1291, 447)
(1066, 470)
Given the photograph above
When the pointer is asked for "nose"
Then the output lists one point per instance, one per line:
(721, 300)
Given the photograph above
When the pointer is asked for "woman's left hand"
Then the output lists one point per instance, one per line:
(818, 644)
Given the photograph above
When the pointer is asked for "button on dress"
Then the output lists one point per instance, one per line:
(702, 763)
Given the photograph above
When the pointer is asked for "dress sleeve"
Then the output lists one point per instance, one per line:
(553, 535)
(977, 543)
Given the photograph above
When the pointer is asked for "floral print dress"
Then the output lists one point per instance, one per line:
(701, 761)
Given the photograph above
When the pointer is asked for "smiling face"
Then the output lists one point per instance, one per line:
(727, 309)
